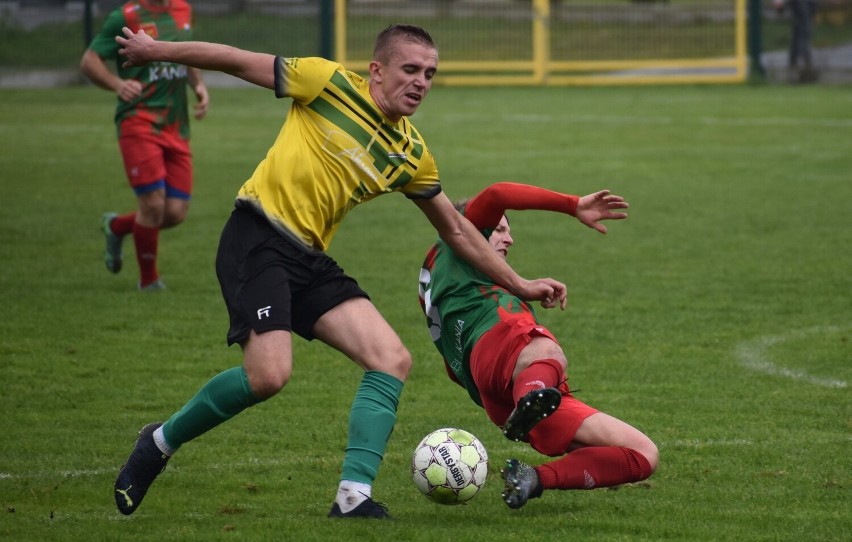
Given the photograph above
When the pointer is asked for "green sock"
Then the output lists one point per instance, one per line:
(371, 422)
(223, 397)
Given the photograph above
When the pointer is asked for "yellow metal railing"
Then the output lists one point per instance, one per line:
(542, 69)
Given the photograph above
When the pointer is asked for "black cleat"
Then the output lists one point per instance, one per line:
(367, 509)
(520, 483)
(532, 408)
(142, 467)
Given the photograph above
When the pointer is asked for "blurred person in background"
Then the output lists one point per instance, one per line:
(152, 121)
(800, 59)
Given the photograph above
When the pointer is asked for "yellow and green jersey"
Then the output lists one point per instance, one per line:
(336, 150)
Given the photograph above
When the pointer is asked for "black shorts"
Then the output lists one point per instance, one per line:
(270, 282)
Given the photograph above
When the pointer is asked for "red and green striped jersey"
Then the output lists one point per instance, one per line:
(461, 303)
(163, 101)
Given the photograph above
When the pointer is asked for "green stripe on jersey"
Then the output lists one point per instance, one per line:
(417, 151)
(343, 84)
(339, 118)
(402, 180)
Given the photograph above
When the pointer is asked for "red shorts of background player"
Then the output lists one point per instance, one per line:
(155, 160)
(492, 363)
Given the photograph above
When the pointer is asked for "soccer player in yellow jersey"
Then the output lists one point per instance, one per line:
(346, 140)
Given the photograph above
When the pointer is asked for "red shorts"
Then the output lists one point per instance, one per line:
(155, 160)
(492, 363)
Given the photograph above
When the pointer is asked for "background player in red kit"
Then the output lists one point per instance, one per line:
(494, 346)
(153, 129)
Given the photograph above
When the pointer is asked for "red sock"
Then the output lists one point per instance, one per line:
(542, 373)
(123, 224)
(145, 239)
(588, 468)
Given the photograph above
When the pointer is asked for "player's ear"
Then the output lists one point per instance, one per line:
(376, 72)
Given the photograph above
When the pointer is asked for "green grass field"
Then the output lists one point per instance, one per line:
(717, 319)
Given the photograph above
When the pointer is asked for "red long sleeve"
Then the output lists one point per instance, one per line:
(487, 208)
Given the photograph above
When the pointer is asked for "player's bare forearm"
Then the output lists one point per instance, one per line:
(194, 77)
(469, 243)
(256, 68)
(94, 68)
(199, 87)
(466, 241)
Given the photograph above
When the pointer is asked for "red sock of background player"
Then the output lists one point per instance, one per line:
(146, 239)
(542, 373)
(588, 468)
(123, 224)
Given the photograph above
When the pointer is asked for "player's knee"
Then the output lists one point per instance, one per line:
(652, 455)
(174, 213)
(170, 221)
(151, 216)
(174, 216)
(266, 383)
(557, 366)
(403, 364)
(396, 362)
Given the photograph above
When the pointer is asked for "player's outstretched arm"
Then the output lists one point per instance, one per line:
(140, 48)
(599, 206)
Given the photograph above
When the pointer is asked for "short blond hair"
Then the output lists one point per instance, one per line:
(388, 38)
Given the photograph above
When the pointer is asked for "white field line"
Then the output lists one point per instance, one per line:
(112, 471)
(634, 120)
(706, 443)
(753, 355)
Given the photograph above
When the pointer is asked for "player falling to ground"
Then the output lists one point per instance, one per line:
(345, 141)
(153, 129)
(494, 346)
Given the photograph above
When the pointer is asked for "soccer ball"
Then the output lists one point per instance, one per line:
(449, 466)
